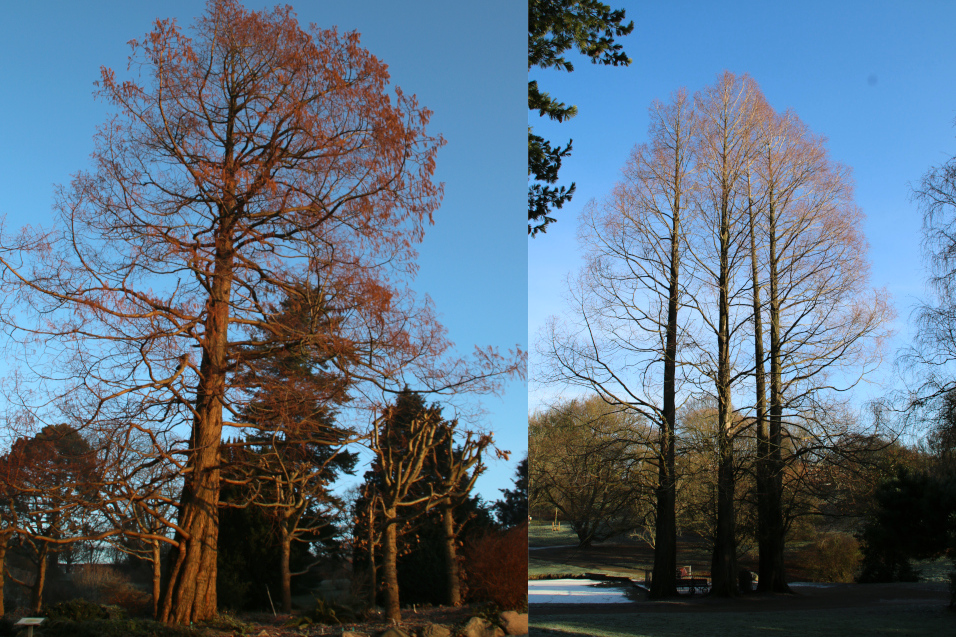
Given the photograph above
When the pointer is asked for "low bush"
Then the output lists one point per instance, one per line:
(116, 628)
(836, 558)
(496, 568)
(106, 585)
(228, 622)
(77, 610)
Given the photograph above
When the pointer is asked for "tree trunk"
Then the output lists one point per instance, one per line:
(157, 577)
(390, 557)
(284, 573)
(724, 562)
(776, 576)
(36, 593)
(191, 593)
(372, 570)
(763, 470)
(4, 538)
(451, 556)
(664, 576)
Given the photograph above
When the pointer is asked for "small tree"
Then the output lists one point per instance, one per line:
(294, 452)
(53, 480)
(410, 443)
(913, 519)
(590, 461)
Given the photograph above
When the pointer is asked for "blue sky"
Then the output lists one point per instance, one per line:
(877, 78)
(464, 61)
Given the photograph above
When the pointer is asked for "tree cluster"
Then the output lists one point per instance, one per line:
(728, 265)
(234, 266)
(415, 504)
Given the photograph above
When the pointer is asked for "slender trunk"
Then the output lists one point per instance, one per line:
(664, 578)
(724, 562)
(190, 595)
(36, 594)
(451, 556)
(4, 538)
(390, 550)
(284, 572)
(157, 577)
(373, 575)
(764, 568)
(777, 580)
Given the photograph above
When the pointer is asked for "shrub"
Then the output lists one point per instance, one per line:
(116, 628)
(106, 585)
(227, 622)
(77, 610)
(836, 558)
(496, 568)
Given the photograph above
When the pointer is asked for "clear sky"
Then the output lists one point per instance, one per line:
(465, 61)
(877, 78)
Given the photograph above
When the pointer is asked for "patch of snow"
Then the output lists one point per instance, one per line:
(574, 591)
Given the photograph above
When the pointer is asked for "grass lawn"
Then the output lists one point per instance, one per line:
(888, 620)
(884, 614)
(542, 535)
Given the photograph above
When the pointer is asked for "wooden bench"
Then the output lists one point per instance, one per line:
(686, 582)
(692, 585)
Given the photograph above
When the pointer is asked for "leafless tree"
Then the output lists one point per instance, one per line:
(825, 326)
(595, 464)
(623, 342)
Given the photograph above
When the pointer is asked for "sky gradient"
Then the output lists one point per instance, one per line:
(473, 260)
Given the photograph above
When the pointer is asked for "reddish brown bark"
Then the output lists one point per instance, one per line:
(285, 550)
(157, 577)
(453, 581)
(390, 566)
(39, 580)
(191, 594)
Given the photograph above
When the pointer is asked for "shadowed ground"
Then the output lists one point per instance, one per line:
(836, 610)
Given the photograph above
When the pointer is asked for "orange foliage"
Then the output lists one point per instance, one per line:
(496, 568)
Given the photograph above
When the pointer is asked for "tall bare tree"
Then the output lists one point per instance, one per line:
(240, 163)
(623, 344)
(729, 117)
(825, 326)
